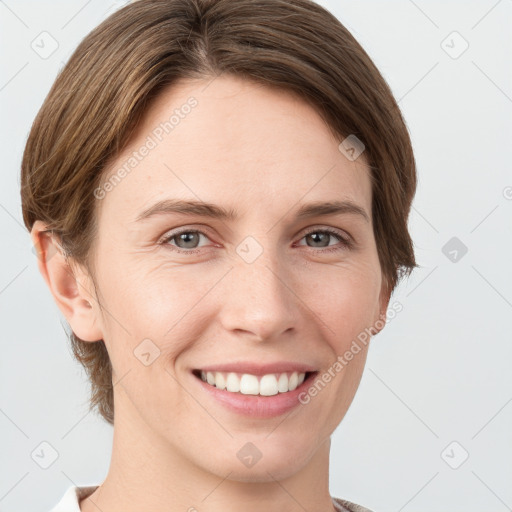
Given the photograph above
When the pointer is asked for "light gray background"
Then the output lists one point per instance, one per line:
(438, 373)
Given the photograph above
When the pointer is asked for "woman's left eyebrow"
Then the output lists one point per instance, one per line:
(203, 209)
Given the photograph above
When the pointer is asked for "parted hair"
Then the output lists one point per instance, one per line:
(100, 96)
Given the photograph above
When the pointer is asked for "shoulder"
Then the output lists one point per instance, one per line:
(70, 502)
(348, 506)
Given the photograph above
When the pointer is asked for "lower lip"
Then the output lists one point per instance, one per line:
(256, 405)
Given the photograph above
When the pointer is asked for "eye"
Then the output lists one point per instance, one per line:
(185, 240)
(325, 235)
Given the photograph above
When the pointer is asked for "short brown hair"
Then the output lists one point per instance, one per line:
(99, 97)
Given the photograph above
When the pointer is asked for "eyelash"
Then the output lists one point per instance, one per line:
(346, 243)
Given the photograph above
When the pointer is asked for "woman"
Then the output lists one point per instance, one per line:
(219, 194)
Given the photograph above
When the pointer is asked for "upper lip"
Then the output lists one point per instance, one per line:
(259, 369)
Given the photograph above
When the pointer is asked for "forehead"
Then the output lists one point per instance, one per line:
(233, 142)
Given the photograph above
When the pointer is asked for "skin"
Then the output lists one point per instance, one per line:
(264, 153)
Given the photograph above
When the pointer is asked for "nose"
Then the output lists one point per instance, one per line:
(259, 300)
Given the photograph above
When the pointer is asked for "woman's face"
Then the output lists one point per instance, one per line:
(262, 286)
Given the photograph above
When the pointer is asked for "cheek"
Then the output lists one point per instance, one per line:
(344, 297)
(159, 303)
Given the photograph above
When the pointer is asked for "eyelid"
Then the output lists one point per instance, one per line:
(199, 228)
(337, 231)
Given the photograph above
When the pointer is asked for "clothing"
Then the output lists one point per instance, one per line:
(72, 497)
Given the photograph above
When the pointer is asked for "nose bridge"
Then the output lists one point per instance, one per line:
(261, 301)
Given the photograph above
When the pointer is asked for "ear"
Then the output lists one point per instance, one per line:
(70, 288)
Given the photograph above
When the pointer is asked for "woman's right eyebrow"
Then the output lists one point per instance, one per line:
(192, 207)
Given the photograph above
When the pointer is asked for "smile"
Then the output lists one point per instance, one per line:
(248, 384)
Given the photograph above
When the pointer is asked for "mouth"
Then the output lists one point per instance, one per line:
(248, 384)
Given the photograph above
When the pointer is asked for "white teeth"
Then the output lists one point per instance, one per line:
(294, 380)
(233, 383)
(247, 384)
(268, 385)
(220, 381)
(282, 385)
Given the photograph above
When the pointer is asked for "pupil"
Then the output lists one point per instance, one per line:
(319, 235)
(185, 237)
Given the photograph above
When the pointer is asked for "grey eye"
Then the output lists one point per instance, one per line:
(185, 239)
(319, 237)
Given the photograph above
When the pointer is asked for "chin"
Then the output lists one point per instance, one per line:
(262, 460)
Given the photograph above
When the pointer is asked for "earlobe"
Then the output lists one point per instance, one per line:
(70, 288)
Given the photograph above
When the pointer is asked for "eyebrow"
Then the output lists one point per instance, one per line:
(202, 209)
